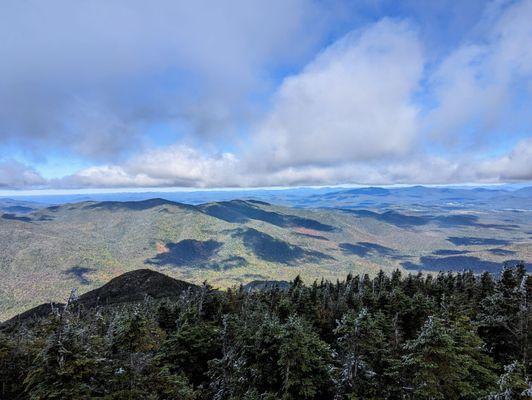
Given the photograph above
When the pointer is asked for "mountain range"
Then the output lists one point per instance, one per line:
(49, 249)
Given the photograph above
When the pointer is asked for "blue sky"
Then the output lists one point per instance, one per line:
(244, 93)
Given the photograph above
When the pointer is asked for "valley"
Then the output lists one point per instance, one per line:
(47, 251)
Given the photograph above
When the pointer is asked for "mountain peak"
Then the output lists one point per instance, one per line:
(135, 286)
(137, 205)
(130, 287)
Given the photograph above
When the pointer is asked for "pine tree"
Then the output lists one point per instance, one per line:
(512, 384)
(189, 349)
(304, 361)
(504, 317)
(477, 367)
(432, 363)
(359, 339)
(363, 355)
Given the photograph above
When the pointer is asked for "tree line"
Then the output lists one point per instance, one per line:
(448, 336)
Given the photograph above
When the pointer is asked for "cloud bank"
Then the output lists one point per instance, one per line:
(90, 76)
(375, 106)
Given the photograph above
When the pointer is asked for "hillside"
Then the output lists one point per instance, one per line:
(47, 252)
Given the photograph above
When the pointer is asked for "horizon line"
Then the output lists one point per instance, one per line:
(88, 191)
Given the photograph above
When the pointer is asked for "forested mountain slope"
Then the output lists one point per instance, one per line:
(47, 252)
(450, 336)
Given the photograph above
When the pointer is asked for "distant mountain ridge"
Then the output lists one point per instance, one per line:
(301, 197)
(46, 252)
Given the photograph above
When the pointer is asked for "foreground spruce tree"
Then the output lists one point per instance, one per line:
(448, 363)
(451, 336)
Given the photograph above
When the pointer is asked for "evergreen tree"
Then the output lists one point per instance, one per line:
(512, 384)
(421, 337)
(433, 365)
(304, 361)
(363, 354)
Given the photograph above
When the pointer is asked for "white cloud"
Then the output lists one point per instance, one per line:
(475, 87)
(350, 117)
(185, 167)
(171, 166)
(15, 175)
(514, 166)
(87, 77)
(365, 110)
(352, 103)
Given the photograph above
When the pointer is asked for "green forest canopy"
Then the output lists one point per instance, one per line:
(450, 336)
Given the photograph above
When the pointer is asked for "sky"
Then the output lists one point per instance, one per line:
(117, 94)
